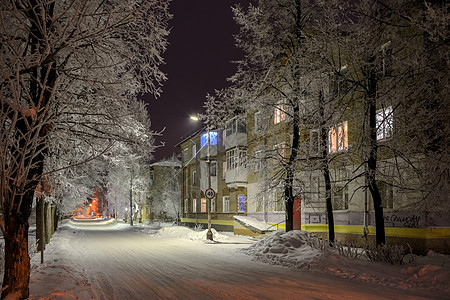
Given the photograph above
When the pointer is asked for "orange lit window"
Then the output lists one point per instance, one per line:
(279, 113)
(338, 138)
(203, 208)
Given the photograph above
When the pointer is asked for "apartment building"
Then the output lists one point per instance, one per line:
(224, 152)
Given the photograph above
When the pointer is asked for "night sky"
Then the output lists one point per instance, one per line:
(198, 60)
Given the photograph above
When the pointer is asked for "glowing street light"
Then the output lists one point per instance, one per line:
(209, 234)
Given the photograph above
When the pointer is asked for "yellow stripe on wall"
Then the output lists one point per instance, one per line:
(429, 233)
(205, 221)
(390, 231)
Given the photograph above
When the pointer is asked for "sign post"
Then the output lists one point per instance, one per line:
(210, 193)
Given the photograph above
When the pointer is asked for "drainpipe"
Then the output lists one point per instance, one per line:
(365, 229)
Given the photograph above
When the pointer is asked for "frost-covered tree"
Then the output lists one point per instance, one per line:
(390, 75)
(67, 70)
(165, 191)
(272, 39)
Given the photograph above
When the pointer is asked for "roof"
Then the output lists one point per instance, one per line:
(167, 163)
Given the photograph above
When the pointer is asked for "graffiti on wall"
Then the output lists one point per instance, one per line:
(403, 220)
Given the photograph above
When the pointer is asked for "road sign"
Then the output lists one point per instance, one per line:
(210, 193)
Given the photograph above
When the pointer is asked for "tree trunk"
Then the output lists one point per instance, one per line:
(325, 169)
(290, 167)
(289, 203)
(17, 261)
(372, 159)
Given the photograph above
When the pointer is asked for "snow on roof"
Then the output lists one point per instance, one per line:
(167, 163)
(254, 224)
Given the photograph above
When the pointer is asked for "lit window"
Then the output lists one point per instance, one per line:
(241, 203)
(212, 136)
(226, 204)
(203, 207)
(385, 120)
(338, 138)
(279, 113)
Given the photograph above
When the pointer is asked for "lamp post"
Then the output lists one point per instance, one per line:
(131, 197)
(209, 234)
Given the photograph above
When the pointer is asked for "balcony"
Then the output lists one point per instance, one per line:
(235, 140)
(236, 178)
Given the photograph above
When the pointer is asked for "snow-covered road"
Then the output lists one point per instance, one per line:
(116, 261)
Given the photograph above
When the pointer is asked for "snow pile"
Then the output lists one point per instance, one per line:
(288, 249)
(182, 232)
(201, 236)
(254, 223)
(292, 249)
(430, 270)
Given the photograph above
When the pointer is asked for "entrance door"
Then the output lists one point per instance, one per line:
(297, 219)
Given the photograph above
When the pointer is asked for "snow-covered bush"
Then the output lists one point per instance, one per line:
(198, 227)
(395, 254)
(350, 250)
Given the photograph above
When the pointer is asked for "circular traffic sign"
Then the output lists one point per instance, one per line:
(210, 193)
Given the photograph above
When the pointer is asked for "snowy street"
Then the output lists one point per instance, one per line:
(116, 261)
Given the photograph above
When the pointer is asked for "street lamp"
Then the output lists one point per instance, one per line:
(209, 234)
(131, 196)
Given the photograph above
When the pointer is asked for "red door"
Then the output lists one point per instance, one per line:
(297, 213)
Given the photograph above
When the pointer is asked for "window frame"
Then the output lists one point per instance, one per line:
(226, 204)
(341, 191)
(314, 147)
(241, 203)
(385, 123)
(213, 205)
(213, 168)
(194, 178)
(194, 151)
(194, 205)
(203, 205)
(279, 113)
(335, 143)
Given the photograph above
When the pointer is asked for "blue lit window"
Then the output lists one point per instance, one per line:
(212, 136)
(241, 203)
